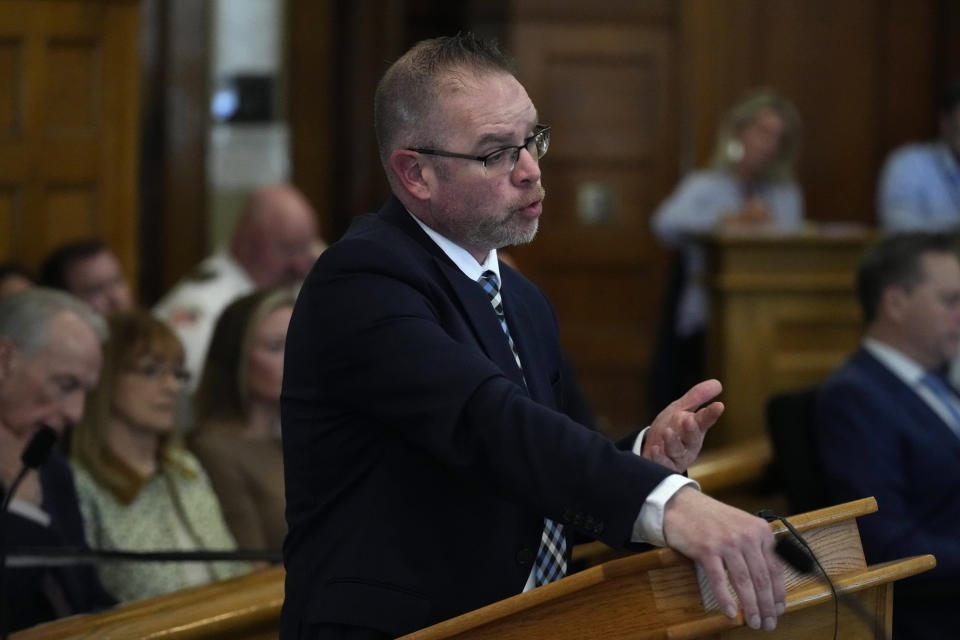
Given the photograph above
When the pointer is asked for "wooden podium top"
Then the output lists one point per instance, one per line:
(811, 233)
(778, 261)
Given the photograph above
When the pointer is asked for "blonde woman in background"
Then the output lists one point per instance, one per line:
(750, 184)
(139, 489)
(237, 408)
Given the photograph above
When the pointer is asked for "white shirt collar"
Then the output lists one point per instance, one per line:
(901, 365)
(461, 257)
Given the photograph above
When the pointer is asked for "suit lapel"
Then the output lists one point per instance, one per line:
(474, 302)
(905, 396)
(523, 328)
(486, 325)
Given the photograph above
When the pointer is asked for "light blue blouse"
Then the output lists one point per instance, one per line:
(696, 207)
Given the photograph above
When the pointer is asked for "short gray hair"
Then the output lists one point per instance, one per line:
(25, 317)
(407, 93)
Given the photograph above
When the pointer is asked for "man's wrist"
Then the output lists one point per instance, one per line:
(648, 527)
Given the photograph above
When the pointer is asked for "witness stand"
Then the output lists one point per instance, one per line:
(783, 315)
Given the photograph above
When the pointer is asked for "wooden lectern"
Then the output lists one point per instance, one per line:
(658, 595)
(783, 315)
(650, 595)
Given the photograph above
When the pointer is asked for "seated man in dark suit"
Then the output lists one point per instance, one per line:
(429, 468)
(888, 425)
(49, 358)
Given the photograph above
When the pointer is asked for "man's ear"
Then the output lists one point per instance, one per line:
(411, 173)
(894, 302)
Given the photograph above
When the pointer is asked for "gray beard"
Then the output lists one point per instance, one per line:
(496, 235)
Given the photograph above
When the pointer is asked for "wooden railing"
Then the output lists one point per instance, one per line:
(244, 608)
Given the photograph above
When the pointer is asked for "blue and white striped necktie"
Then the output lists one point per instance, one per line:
(551, 561)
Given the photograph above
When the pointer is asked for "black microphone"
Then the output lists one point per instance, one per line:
(32, 457)
(794, 555)
(39, 447)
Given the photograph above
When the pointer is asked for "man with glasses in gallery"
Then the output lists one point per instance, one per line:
(429, 467)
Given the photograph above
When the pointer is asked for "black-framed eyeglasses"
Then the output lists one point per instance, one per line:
(502, 160)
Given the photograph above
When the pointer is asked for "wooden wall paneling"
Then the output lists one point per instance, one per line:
(67, 138)
(947, 40)
(13, 121)
(574, 12)
(371, 36)
(310, 65)
(183, 230)
(150, 151)
(335, 156)
(8, 219)
(908, 75)
(68, 127)
(859, 72)
(717, 42)
(11, 98)
(120, 140)
(825, 59)
(607, 88)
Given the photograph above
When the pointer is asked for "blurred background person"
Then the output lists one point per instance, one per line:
(888, 425)
(89, 270)
(139, 489)
(237, 434)
(14, 278)
(49, 357)
(274, 244)
(920, 183)
(749, 185)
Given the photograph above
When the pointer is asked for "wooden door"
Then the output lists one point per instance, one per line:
(68, 126)
(607, 88)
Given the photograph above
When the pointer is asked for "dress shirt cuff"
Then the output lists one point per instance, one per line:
(638, 443)
(648, 527)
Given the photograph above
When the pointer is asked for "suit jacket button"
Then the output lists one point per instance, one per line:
(524, 556)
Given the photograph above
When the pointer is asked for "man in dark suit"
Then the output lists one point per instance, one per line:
(889, 426)
(49, 359)
(429, 468)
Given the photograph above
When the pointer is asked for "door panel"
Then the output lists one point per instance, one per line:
(607, 91)
(68, 126)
